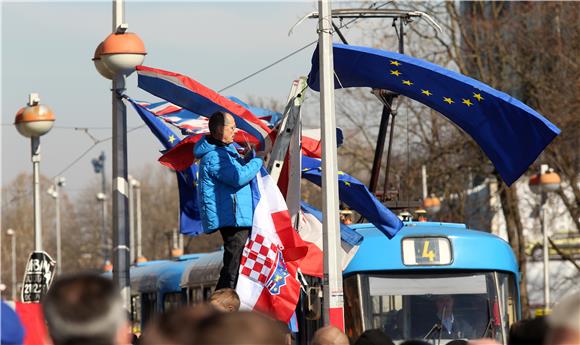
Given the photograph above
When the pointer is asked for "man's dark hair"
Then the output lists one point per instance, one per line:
(240, 328)
(217, 120)
(176, 326)
(374, 337)
(528, 332)
(83, 309)
(415, 342)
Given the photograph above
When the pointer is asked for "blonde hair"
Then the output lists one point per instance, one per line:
(227, 298)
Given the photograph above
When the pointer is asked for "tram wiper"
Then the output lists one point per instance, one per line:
(488, 327)
(436, 328)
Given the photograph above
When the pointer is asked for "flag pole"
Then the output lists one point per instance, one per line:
(332, 280)
(121, 250)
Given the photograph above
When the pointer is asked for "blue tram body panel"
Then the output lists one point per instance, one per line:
(471, 249)
(161, 276)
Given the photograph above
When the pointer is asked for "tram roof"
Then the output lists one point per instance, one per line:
(471, 249)
(161, 275)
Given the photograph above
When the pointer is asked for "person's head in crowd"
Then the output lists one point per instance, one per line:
(242, 328)
(457, 342)
(226, 300)
(85, 309)
(415, 342)
(374, 337)
(483, 341)
(564, 323)
(11, 331)
(329, 335)
(528, 332)
(177, 326)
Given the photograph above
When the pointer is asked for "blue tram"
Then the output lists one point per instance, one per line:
(394, 285)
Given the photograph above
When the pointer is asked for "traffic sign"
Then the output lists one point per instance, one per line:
(37, 276)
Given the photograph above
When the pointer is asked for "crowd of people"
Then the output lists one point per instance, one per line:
(88, 309)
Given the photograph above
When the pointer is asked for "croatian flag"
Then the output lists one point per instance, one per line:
(267, 277)
(310, 230)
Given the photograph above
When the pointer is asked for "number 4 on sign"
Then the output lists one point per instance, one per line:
(427, 253)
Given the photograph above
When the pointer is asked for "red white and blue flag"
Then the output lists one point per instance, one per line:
(191, 95)
(267, 278)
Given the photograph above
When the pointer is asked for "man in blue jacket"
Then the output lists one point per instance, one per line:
(225, 194)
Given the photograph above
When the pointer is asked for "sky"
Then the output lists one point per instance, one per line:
(46, 48)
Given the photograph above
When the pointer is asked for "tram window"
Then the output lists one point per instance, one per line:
(411, 305)
(136, 314)
(148, 306)
(508, 295)
(207, 291)
(195, 295)
(172, 300)
(353, 312)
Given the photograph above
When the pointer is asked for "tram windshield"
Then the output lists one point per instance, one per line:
(435, 307)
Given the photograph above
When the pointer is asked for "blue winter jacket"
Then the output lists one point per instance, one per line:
(224, 186)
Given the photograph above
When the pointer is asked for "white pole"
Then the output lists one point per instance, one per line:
(543, 170)
(132, 217)
(35, 147)
(12, 234)
(424, 178)
(332, 281)
(137, 189)
(546, 254)
(57, 184)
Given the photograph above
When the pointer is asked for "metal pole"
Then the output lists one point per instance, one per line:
(104, 208)
(546, 254)
(131, 182)
(121, 250)
(57, 225)
(106, 243)
(138, 208)
(379, 149)
(35, 146)
(424, 179)
(12, 234)
(332, 281)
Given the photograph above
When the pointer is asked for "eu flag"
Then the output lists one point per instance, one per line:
(510, 133)
(190, 223)
(357, 196)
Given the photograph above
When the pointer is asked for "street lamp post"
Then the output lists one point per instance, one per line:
(102, 198)
(546, 181)
(116, 57)
(32, 122)
(54, 192)
(131, 218)
(12, 235)
(138, 221)
(99, 167)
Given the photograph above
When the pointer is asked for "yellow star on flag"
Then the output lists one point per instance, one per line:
(448, 100)
(407, 82)
(171, 138)
(340, 172)
(346, 183)
(426, 92)
(467, 102)
(478, 96)
(396, 72)
(396, 63)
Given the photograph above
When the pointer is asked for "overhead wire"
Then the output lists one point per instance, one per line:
(96, 141)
